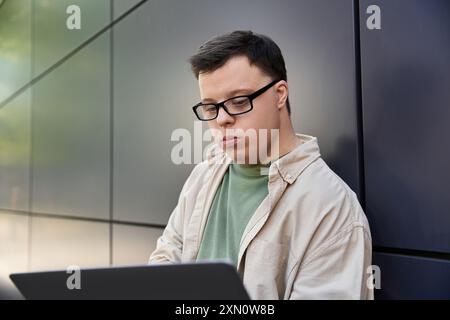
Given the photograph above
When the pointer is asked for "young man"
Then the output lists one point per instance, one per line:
(291, 226)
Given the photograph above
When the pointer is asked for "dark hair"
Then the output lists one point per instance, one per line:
(259, 49)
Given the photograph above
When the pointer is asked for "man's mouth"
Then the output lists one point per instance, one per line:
(229, 141)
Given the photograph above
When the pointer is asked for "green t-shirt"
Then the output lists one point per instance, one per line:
(242, 190)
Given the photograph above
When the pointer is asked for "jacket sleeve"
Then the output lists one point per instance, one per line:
(339, 269)
(169, 245)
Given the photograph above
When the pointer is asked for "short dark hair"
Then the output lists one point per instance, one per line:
(259, 49)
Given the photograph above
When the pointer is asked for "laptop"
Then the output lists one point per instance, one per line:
(184, 281)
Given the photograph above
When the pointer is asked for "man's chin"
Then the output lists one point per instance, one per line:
(241, 157)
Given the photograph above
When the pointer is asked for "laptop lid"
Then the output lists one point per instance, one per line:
(185, 281)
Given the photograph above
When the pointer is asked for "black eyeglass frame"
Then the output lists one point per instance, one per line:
(250, 97)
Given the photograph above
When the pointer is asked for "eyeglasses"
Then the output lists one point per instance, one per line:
(233, 106)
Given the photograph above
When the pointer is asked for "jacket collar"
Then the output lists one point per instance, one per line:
(289, 166)
(292, 164)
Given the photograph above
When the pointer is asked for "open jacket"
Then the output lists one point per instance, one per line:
(308, 239)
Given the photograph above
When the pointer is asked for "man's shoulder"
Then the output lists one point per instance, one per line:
(325, 198)
(203, 171)
(320, 182)
(322, 207)
(198, 175)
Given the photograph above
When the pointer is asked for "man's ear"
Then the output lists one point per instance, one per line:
(282, 91)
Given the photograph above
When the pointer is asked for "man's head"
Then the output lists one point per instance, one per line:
(237, 64)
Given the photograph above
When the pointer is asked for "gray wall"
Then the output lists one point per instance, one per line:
(406, 99)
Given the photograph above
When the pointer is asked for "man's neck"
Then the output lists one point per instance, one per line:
(289, 144)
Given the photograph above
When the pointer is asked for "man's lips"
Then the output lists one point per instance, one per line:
(229, 140)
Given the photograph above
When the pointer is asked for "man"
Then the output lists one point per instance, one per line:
(292, 227)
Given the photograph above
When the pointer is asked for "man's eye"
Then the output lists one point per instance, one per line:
(209, 108)
(239, 102)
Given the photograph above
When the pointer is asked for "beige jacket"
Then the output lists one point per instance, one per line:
(308, 239)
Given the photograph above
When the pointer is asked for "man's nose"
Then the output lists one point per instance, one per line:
(223, 118)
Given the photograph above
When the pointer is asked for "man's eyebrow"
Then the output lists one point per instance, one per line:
(231, 94)
(207, 100)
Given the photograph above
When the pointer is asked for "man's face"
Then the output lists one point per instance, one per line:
(237, 77)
